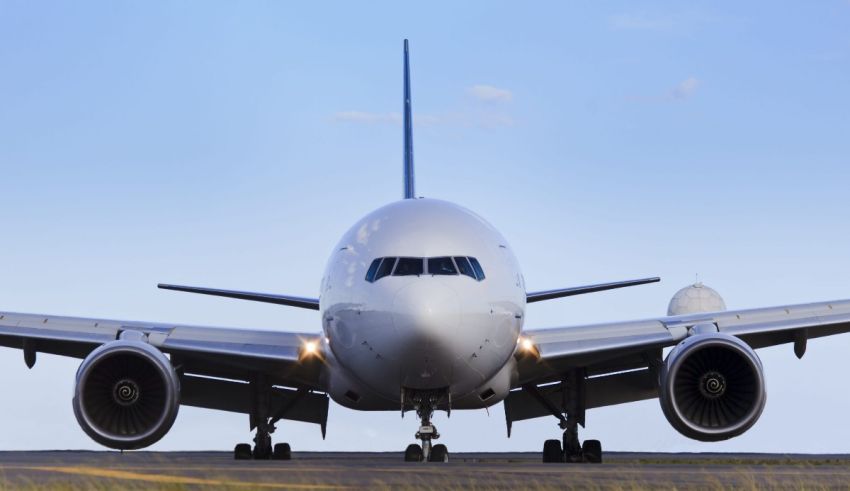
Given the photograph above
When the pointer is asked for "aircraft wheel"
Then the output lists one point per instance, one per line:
(413, 453)
(552, 451)
(242, 452)
(591, 450)
(439, 454)
(282, 451)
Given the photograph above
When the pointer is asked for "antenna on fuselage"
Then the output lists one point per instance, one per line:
(409, 188)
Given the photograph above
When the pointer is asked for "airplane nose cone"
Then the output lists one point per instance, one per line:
(426, 315)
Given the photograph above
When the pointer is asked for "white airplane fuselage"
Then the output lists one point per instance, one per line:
(421, 332)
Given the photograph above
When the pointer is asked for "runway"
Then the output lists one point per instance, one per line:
(195, 470)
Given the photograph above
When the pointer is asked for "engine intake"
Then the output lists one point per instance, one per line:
(712, 387)
(127, 395)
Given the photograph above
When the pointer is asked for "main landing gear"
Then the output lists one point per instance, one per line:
(573, 451)
(265, 426)
(263, 449)
(569, 449)
(424, 404)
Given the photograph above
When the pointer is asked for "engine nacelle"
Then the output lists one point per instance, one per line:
(712, 387)
(127, 395)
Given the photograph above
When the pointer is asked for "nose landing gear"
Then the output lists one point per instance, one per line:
(424, 404)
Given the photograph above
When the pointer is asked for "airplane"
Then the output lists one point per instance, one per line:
(422, 308)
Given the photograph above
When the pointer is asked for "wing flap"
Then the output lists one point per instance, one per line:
(608, 390)
(237, 397)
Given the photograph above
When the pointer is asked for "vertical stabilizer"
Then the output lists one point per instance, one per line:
(409, 180)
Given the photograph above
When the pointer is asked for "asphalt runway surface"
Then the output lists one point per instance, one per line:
(202, 470)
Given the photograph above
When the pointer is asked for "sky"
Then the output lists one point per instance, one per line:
(231, 144)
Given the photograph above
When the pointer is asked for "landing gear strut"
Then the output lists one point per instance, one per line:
(569, 449)
(265, 426)
(574, 451)
(263, 440)
(424, 404)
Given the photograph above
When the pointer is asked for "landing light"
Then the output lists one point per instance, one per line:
(309, 349)
(526, 346)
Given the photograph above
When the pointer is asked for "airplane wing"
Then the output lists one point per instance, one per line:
(215, 365)
(621, 360)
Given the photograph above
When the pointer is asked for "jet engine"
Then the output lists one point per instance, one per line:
(127, 395)
(712, 387)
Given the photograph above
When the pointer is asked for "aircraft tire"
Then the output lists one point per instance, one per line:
(439, 453)
(413, 453)
(282, 451)
(591, 450)
(242, 451)
(552, 451)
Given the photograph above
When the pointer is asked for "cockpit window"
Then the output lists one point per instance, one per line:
(409, 266)
(386, 268)
(415, 266)
(441, 266)
(464, 267)
(373, 268)
(479, 272)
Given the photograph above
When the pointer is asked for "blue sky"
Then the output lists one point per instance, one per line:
(231, 144)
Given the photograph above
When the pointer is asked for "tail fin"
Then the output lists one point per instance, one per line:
(409, 180)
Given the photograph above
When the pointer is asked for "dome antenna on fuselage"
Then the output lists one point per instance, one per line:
(409, 180)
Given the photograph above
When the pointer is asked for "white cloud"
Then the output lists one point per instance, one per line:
(685, 89)
(490, 94)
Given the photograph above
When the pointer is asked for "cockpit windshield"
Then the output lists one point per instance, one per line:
(408, 266)
(479, 271)
(373, 269)
(441, 266)
(464, 267)
(386, 268)
(416, 266)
